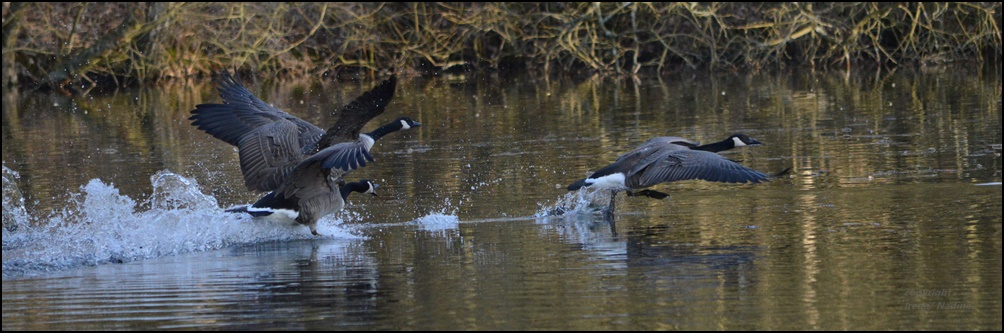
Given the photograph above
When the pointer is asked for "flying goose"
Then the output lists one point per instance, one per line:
(305, 202)
(302, 165)
(272, 142)
(669, 159)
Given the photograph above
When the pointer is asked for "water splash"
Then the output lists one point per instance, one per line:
(578, 218)
(583, 202)
(444, 220)
(438, 222)
(14, 214)
(99, 225)
(172, 191)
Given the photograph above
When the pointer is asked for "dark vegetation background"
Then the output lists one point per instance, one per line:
(80, 44)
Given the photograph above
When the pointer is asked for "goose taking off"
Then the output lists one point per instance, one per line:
(272, 142)
(302, 165)
(305, 203)
(670, 159)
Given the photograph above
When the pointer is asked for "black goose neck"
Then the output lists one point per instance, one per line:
(348, 188)
(390, 127)
(717, 146)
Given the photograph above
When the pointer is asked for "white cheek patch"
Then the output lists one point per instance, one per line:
(738, 143)
(612, 182)
(404, 125)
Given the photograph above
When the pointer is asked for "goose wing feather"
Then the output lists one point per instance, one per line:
(694, 164)
(353, 116)
(268, 154)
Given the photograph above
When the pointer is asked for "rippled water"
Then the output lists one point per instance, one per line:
(891, 219)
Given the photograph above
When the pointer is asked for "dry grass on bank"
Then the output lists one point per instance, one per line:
(56, 44)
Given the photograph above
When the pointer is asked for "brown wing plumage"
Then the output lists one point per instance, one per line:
(271, 142)
(327, 165)
(242, 112)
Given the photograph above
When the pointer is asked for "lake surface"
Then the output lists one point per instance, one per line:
(890, 220)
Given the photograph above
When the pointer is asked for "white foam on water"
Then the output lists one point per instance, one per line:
(434, 222)
(444, 220)
(98, 225)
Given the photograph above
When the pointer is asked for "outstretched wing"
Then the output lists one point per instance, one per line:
(693, 164)
(356, 114)
(241, 113)
(268, 154)
(343, 157)
(330, 164)
(270, 141)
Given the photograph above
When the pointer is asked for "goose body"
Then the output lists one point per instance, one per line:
(299, 164)
(306, 203)
(271, 142)
(669, 159)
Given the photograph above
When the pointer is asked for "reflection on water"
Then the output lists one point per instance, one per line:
(242, 288)
(113, 210)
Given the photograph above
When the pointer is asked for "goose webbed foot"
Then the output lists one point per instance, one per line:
(612, 205)
(784, 172)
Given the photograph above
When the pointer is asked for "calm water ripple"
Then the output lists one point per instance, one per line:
(891, 219)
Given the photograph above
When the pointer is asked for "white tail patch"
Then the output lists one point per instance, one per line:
(279, 215)
(611, 182)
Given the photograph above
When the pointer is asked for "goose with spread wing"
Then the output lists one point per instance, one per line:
(271, 142)
(670, 159)
(299, 163)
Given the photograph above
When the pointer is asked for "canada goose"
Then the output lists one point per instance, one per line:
(669, 159)
(271, 142)
(305, 202)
